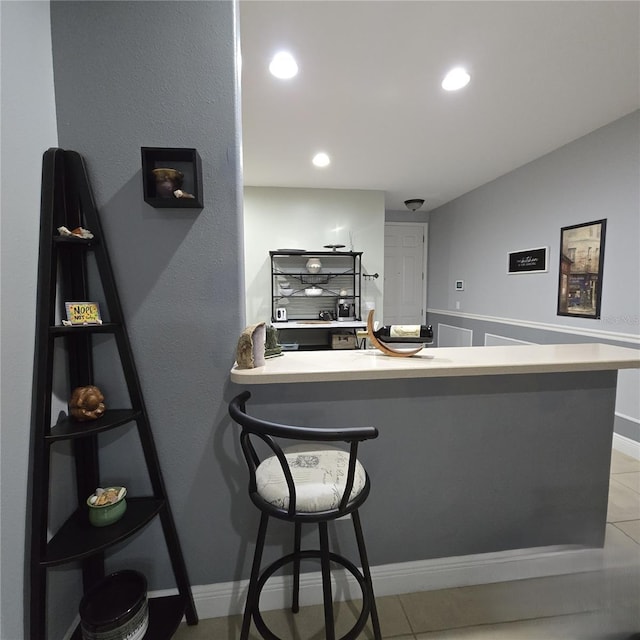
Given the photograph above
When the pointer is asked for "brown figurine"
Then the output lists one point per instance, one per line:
(87, 403)
(169, 183)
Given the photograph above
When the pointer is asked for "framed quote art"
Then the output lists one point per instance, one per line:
(528, 261)
(581, 262)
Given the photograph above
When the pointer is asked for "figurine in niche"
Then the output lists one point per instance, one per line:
(271, 347)
(250, 349)
(87, 403)
(169, 183)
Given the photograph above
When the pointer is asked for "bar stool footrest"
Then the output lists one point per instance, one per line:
(268, 571)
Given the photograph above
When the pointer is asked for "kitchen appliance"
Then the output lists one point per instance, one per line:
(281, 314)
(345, 307)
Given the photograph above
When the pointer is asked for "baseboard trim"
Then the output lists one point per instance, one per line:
(626, 445)
(224, 599)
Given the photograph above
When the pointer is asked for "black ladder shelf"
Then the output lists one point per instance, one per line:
(67, 200)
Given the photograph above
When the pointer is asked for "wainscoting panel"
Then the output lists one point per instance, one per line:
(492, 340)
(450, 336)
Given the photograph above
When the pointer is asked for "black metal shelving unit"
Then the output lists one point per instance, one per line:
(67, 200)
(341, 270)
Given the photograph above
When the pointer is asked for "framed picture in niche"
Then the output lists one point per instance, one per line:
(172, 178)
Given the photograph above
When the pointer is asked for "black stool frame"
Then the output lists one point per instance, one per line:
(267, 432)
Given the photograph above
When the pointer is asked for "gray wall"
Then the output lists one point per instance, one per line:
(589, 179)
(128, 74)
(28, 128)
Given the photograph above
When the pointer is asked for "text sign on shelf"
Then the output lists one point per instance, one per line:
(83, 313)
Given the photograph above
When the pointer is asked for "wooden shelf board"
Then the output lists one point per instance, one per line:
(63, 330)
(69, 428)
(78, 538)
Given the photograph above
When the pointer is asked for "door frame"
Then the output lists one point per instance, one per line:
(425, 251)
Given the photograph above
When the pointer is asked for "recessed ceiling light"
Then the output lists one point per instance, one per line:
(321, 159)
(456, 79)
(283, 65)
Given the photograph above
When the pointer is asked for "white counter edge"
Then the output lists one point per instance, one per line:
(353, 365)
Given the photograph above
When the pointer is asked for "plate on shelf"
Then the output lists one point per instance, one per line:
(291, 250)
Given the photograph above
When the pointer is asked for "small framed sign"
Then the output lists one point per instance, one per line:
(82, 313)
(528, 261)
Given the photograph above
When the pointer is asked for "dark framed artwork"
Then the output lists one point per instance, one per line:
(528, 261)
(172, 177)
(580, 271)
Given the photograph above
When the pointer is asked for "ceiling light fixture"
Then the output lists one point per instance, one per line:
(321, 159)
(414, 203)
(283, 65)
(456, 79)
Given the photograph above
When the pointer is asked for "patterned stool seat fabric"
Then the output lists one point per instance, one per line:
(319, 474)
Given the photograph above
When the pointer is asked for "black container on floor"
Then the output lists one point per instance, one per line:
(115, 608)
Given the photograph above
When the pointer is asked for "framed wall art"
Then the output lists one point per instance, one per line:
(528, 261)
(580, 271)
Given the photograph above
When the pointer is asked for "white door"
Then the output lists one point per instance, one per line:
(405, 277)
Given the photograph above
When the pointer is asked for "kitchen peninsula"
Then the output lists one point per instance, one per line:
(481, 449)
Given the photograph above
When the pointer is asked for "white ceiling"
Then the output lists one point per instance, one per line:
(368, 92)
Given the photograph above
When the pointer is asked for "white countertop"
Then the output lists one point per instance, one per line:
(320, 324)
(370, 364)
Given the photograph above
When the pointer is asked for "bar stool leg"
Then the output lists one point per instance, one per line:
(252, 595)
(295, 605)
(364, 561)
(330, 632)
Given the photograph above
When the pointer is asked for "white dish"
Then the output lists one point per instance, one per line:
(313, 291)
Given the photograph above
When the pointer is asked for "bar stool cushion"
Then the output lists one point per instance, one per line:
(319, 474)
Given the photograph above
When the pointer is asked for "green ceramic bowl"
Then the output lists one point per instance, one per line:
(103, 515)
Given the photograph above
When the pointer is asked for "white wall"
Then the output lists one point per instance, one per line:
(28, 128)
(280, 218)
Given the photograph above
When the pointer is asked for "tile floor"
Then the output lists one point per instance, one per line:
(596, 605)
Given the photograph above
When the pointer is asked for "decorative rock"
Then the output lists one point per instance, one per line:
(250, 349)
(272, 348)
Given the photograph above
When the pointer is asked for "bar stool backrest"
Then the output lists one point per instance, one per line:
(271, 432)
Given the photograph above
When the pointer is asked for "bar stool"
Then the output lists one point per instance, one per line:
(305, 483)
